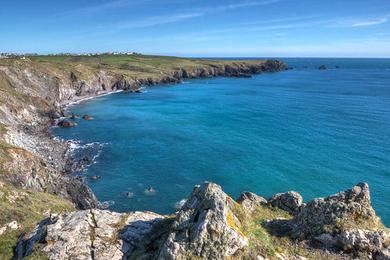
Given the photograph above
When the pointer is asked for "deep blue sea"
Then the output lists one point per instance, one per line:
(316, 132)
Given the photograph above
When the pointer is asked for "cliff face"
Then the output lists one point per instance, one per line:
(211, 225)
(33, 93)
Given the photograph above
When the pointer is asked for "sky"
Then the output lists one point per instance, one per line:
(199, 28)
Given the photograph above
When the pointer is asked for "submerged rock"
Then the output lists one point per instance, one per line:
(87, 117)
(322, 67)
(130, 194)
(150, 191)
(73, 116)
(67, 123)
(95, 177)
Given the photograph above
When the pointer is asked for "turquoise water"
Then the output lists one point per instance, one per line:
(316, 132)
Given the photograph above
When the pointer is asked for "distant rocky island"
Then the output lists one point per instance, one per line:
(47, 214)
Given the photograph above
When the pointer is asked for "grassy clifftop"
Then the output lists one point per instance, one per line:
(33, 91)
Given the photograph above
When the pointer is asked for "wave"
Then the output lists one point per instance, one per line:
(82, 156)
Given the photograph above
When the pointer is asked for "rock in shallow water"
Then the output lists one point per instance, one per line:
(87, 117)
(67, 123)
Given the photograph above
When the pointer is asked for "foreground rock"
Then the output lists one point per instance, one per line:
(210, 225)
(289, 201)
(89, 234)
(350, 208)
(250, 201)
(207, 226)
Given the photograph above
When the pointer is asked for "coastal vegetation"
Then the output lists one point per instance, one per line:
(34, 90)
(36, 185)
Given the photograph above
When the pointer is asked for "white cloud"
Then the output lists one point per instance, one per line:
(370, 22)
(156, 20)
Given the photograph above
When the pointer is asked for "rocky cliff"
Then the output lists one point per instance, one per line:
(34, 93)
(211, 225)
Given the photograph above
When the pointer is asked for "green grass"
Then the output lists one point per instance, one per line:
(140, 66)
(260, 241)
(27, 209)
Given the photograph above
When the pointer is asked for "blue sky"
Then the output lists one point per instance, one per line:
(332, 28)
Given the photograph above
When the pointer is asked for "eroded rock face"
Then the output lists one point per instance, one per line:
(207, 227)
(250, 201)
(358, 240)
(333, 213)
(290, 201)
(90, 234)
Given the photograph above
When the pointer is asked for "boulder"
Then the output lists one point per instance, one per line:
(67, 123)
(335, 213)
(358, 240)
(383, 254)
(207, 227)
(87, 117)
(250, 201)
(290, 201)
(89, 234)
(95, 177)
(73, 116)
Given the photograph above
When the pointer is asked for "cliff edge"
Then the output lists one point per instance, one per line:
(211, 225)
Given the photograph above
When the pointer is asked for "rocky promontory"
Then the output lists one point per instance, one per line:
(211, 225)
(35, 167)
(35, 91)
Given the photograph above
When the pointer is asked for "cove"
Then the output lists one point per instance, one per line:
(316, 132)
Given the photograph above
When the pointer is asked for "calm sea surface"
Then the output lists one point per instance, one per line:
(316, 132)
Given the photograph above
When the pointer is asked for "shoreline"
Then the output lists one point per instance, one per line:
(78, 101)
(86, 85)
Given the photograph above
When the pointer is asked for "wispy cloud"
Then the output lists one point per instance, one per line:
(356, 22)
(156, 20)
(117, 4)
(93, 9)
(370, 22)
(240, 5)
(166, 19)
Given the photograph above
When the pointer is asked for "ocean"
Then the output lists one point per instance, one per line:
(313, 131)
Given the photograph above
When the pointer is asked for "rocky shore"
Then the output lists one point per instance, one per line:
(38, 221)
(35, 96)
(211, 225)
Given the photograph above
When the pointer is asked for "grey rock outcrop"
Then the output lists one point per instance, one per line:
(290, 201)
(358, 240)
(250, 201)
(332, 214)
(383, 255)
(207, 227)
(89, 234)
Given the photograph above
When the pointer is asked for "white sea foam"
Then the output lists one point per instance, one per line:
(89, 98)
(180, 204)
